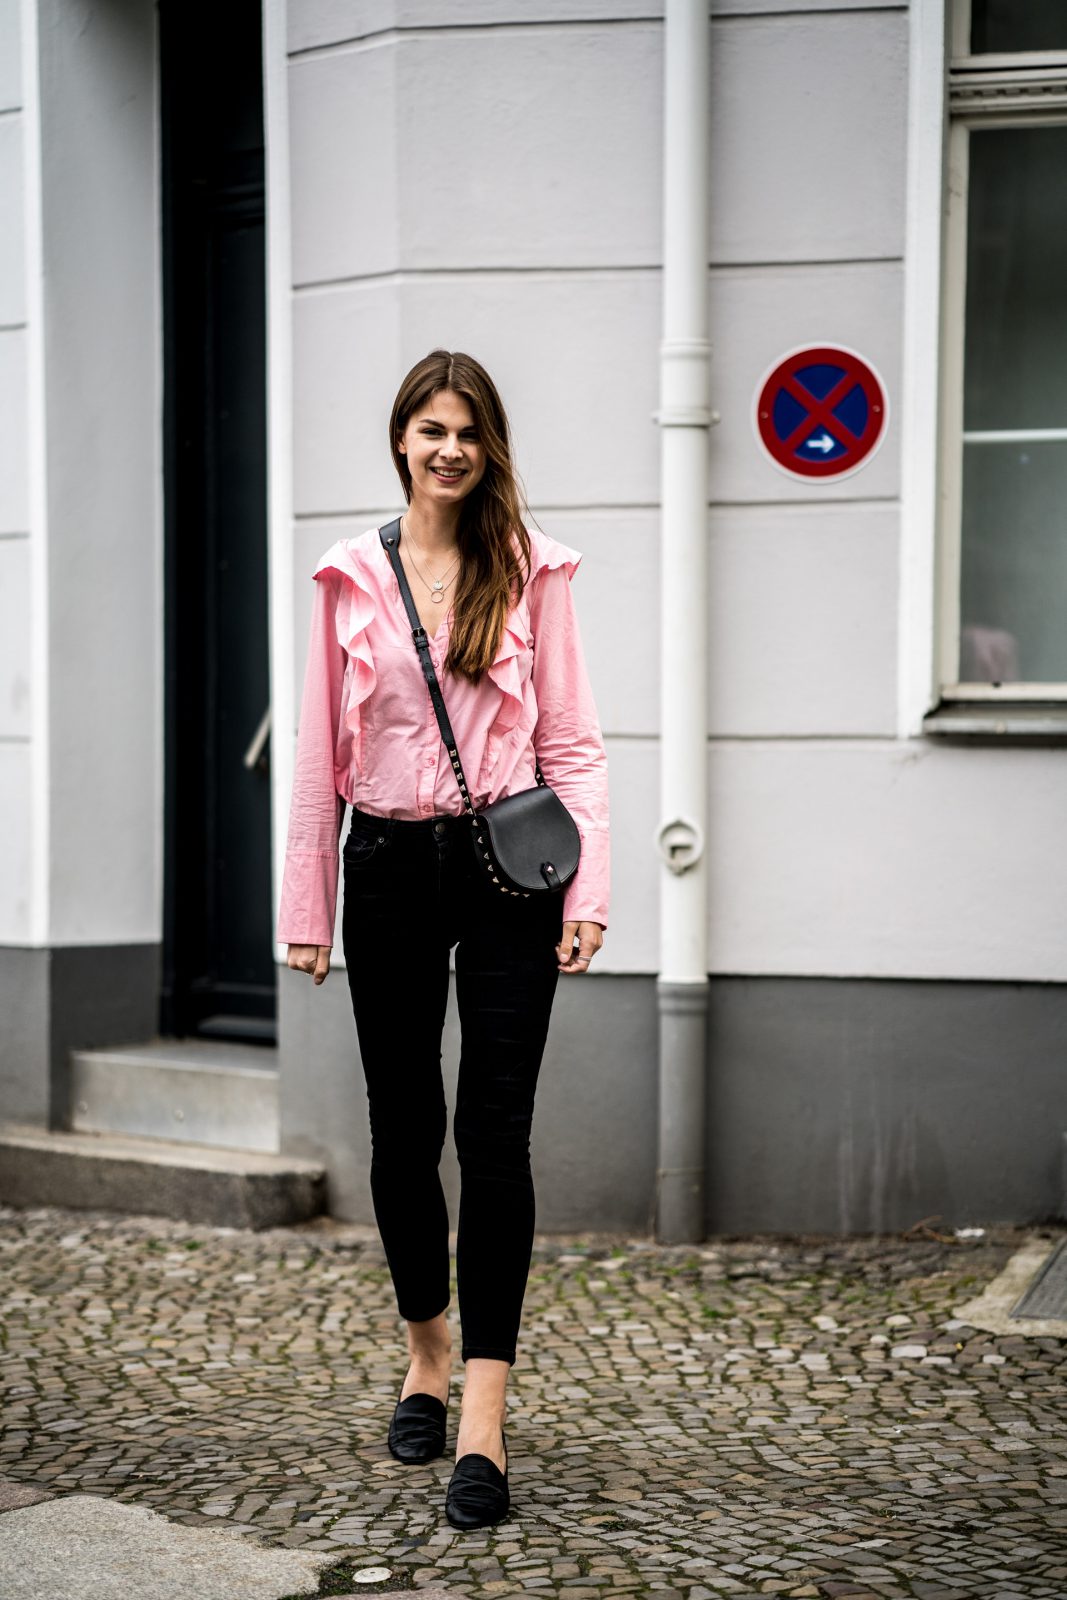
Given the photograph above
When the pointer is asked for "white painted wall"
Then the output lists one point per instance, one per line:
(486, 176)
(100, 162)
(80, 465)
(887, 859)
(15, 580)
(808, 135)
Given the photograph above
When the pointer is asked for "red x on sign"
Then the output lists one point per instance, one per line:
(820, 412)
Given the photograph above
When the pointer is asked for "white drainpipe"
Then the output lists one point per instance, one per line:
(684, 418)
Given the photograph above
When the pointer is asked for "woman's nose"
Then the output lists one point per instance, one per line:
(450, 446)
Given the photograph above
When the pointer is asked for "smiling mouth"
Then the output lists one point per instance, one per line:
(449, 476)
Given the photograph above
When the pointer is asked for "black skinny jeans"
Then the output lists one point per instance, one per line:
(412, 891)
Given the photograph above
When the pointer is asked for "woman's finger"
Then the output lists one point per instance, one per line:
(590, 938)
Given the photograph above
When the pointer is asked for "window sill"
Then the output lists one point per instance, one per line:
(1001, 722)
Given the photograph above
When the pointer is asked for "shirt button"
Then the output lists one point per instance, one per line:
(427, 811)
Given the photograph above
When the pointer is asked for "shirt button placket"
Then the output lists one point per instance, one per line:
(426, 782)
(429, 767)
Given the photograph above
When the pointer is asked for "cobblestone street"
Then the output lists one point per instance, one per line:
(742, 1417)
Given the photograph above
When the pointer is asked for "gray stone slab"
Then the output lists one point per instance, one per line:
(1047, 1295)
(81, 1544)
(994, 1308)
(14, 1494)
(158, 1177)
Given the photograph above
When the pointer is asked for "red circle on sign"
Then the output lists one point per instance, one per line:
(827, 434)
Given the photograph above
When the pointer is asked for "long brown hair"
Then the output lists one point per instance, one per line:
(491, 517)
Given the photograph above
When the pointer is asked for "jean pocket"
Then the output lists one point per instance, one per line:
(362, 845)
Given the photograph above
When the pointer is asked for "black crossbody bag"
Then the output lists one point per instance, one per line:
(528, 842)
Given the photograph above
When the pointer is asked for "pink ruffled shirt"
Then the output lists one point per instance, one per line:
(368, 735)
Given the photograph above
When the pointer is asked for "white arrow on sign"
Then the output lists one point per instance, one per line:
(821, 441)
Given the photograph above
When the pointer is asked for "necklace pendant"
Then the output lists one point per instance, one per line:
(437, 597)
(438, 584)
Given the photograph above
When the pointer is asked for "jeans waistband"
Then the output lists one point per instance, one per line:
(400, 827)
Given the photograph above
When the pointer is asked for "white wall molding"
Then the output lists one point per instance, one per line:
(916, 676)
(280, 576)
(36, 433)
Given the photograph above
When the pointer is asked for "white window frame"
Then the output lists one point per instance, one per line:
(988, 91)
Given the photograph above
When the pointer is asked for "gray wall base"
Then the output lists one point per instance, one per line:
(859, 1105)
(57, 1000)
(833, 1106)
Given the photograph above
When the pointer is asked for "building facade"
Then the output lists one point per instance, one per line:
(225, 241)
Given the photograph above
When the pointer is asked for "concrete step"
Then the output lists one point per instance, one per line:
(157, 1177)
(196, 1091)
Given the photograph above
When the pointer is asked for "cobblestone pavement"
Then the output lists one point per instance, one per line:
(749, 1416)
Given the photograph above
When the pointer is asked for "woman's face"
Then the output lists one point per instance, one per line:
(446, 458)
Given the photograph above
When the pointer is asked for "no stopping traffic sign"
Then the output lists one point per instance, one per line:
(820, 411)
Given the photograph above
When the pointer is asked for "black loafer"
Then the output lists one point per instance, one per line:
(478, 1491)
(417, 1431)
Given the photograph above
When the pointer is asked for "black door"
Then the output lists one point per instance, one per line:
(218, 958)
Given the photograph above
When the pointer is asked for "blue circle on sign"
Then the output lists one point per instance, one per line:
(821, 379)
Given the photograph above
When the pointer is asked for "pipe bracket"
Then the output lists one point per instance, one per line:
(685, 417)
(680, 842)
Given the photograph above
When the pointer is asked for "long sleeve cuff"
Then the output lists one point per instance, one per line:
(585, 899)
(308, 908)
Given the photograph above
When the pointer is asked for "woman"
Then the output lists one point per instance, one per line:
(494, 598)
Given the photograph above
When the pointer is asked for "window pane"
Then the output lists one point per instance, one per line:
(1015, 366)
(1013, 589)
(1000, 25)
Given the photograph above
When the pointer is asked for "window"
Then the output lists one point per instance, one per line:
(1003, 536)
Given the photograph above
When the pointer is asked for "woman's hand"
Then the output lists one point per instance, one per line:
(590, 936)
(313, 958)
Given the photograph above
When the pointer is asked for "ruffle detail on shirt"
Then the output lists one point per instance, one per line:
(546, 552)
(505, 673)
(355, 612)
